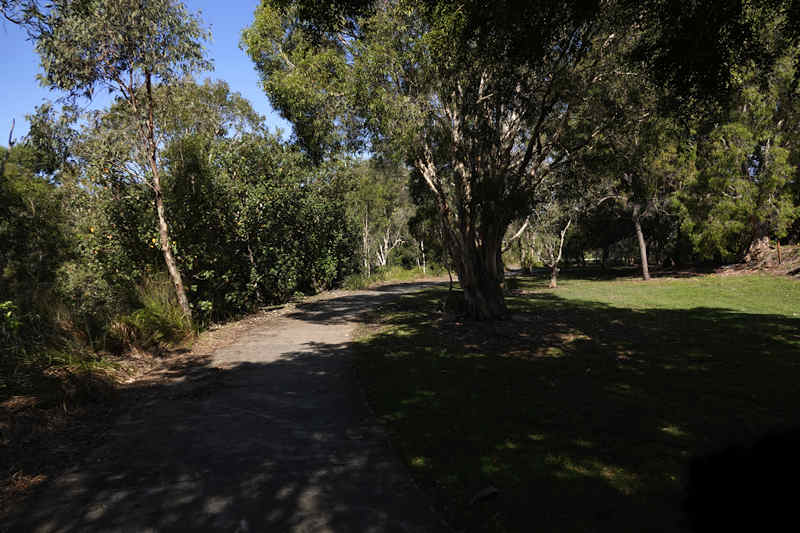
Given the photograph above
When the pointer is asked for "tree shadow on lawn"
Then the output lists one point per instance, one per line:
(584, 416)
(279, 446)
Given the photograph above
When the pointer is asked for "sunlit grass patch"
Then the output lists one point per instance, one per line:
(394, 273)
(675, 431)
(419, 462)
(624, 481)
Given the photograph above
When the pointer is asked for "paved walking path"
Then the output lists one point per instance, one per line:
(272, 435)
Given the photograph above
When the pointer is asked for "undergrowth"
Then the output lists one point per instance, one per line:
(393, 273)
(157, 324)
(43, 349)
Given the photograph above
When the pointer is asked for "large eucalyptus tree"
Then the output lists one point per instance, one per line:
(482, 134)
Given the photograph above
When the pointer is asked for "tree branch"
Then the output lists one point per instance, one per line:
(11, 141)
(517, 234)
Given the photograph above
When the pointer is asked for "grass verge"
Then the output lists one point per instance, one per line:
(582, 412)
(394, 273)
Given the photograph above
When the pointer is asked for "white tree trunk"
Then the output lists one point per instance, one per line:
(387, 245)
(642, 244)
(556, 257)
(365, 244)
(163, 226)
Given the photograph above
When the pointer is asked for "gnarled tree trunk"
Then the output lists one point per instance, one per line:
(554, 276)
(475, 249)
(480, 273)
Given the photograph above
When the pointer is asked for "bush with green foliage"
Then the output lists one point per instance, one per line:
(34, 241)
(253, 224)
(158, 322)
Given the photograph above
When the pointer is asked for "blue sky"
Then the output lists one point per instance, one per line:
(20, 91)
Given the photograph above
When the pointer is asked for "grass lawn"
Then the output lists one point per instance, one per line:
(584, 409)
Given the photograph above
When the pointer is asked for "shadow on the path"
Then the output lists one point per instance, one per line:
(280, 446)
(353, 307)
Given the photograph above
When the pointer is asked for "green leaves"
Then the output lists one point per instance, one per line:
(106, 43)
(742, 191)
(253, 222)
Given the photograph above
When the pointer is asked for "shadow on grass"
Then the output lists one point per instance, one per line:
(583, 416)
(745, 488)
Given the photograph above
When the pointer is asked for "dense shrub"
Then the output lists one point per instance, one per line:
(158, 322)
(252, 224)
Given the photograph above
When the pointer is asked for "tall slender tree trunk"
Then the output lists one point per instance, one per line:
(642, 244)
(365, 244)
(382, 254)
(7, 153)
(166, 248)
(163, 227)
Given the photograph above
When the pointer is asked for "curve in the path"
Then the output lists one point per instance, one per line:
(271, 436)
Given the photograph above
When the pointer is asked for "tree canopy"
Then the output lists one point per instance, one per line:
(482, 134)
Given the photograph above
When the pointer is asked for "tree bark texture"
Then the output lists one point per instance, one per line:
(169, 259)
(554, 276)
(480, 274)
(642, 244)
(163, 227)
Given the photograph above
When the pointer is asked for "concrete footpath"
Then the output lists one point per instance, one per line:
(271, 434)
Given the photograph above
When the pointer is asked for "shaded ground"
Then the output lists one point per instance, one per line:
(583, 411)
(269, 433)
